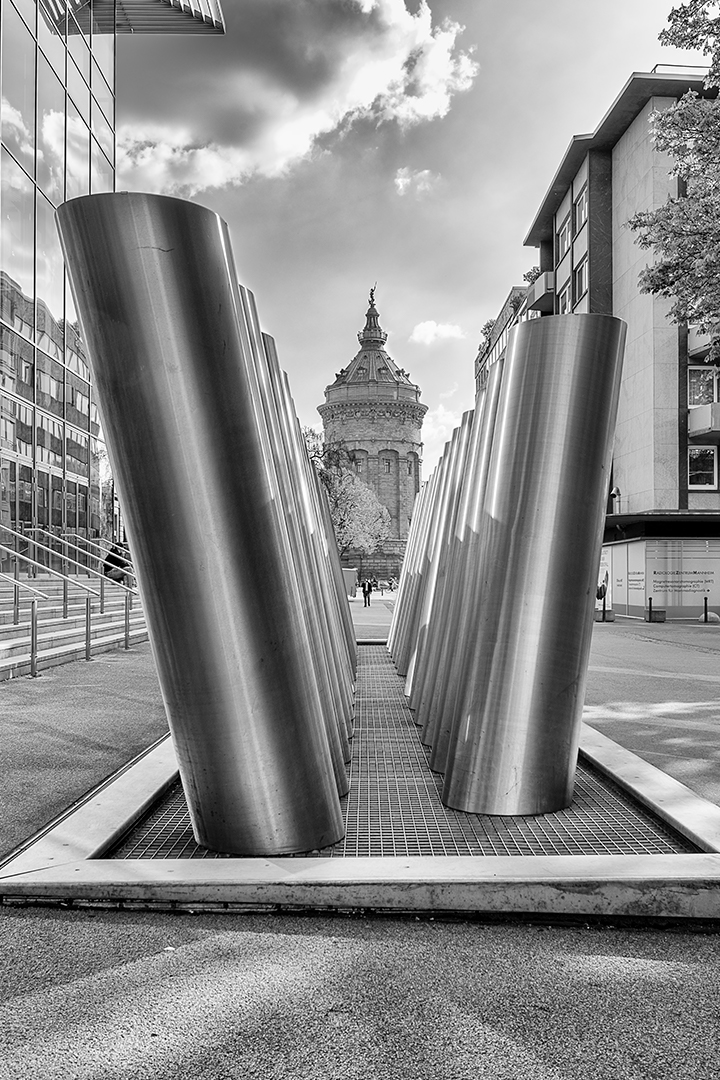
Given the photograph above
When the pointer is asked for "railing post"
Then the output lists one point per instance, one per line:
(102, 595)
(33, 637)
(88, 626)
(127, 620)
(65, 598)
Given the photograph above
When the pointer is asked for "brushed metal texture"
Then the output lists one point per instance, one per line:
(155, 285)
(513, 746)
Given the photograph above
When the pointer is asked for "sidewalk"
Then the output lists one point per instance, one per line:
(156, 996)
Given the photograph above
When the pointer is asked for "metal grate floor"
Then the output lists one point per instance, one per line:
(394, 806)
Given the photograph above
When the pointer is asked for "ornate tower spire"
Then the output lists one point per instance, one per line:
(374, 410)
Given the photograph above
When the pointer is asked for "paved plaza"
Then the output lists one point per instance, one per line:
(143, 994)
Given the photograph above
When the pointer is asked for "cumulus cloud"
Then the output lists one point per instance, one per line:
(293, 72)
(425, 333)
(418, 183)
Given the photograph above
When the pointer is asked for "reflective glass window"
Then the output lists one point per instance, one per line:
(101, 171)
(564, 238)
(94, 419)
(103, 50)
(71, 505)
(77, 166)
(49, 280)
(17, 110)
(12, 493)
(8, 411)
(23, 429)
(75, 356)
(51, 38)
(50, 133)
(78, 48)
(77, 405)
(102, 94)
(702, 385)
(17, 364)
(702, 467)
(102, 131)
(25, 494)
(5, 513)
(56, 497)
(16, 246)
(79, 91)
(15, 426)
(49, 391)
(82, 507)
(49, 440)
(76, 452)
(43, 498)
(28, 10)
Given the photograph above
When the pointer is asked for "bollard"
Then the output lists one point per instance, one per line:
(88, 626)
(33, 638)
(705, 606)
(127, 620)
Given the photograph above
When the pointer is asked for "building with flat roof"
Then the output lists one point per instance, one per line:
(664, 503)
(57, 135)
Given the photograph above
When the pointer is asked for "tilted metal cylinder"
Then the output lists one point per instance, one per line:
(420, 667)
(155, 286)
(452, 631)
(513, 747)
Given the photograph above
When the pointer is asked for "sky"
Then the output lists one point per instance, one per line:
(400, 144)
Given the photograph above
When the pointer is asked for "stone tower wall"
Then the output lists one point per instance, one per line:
(386, 442)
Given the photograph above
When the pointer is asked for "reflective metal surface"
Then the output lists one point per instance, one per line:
(513, 745)
(177, 358)
(453, 630)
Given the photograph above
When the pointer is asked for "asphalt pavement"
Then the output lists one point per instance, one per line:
(116, 995)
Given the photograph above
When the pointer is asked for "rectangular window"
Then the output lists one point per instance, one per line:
(702, 467)
(580, 280)
(564, 237)
(565, 300)
(580, 209)
(386, 465)
(702, 386)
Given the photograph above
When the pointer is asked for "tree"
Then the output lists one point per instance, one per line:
(684, 233)
(360, 521)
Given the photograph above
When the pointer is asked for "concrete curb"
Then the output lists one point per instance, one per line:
(64, 863)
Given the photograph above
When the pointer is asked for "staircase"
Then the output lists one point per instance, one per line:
(59, 639)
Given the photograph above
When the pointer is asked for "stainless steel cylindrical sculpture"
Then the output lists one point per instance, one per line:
(514, 742)
(155, 286)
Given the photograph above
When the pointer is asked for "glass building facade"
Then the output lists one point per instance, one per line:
(57, 86)
(57, 136)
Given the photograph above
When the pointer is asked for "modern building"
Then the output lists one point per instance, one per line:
(374, 412)
(57, 83)
(662, 536)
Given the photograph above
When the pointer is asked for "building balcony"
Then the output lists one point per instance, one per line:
(541, 294)
(704, 423)
(698, 344)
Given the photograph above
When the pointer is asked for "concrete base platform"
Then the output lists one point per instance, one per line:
(68, 862)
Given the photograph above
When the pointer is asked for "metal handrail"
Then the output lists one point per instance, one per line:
(22, 585)
(55, 573)
(61, 538)
(93, 544)
(43, 547)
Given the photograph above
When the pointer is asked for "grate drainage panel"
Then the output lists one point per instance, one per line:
(394, 809)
